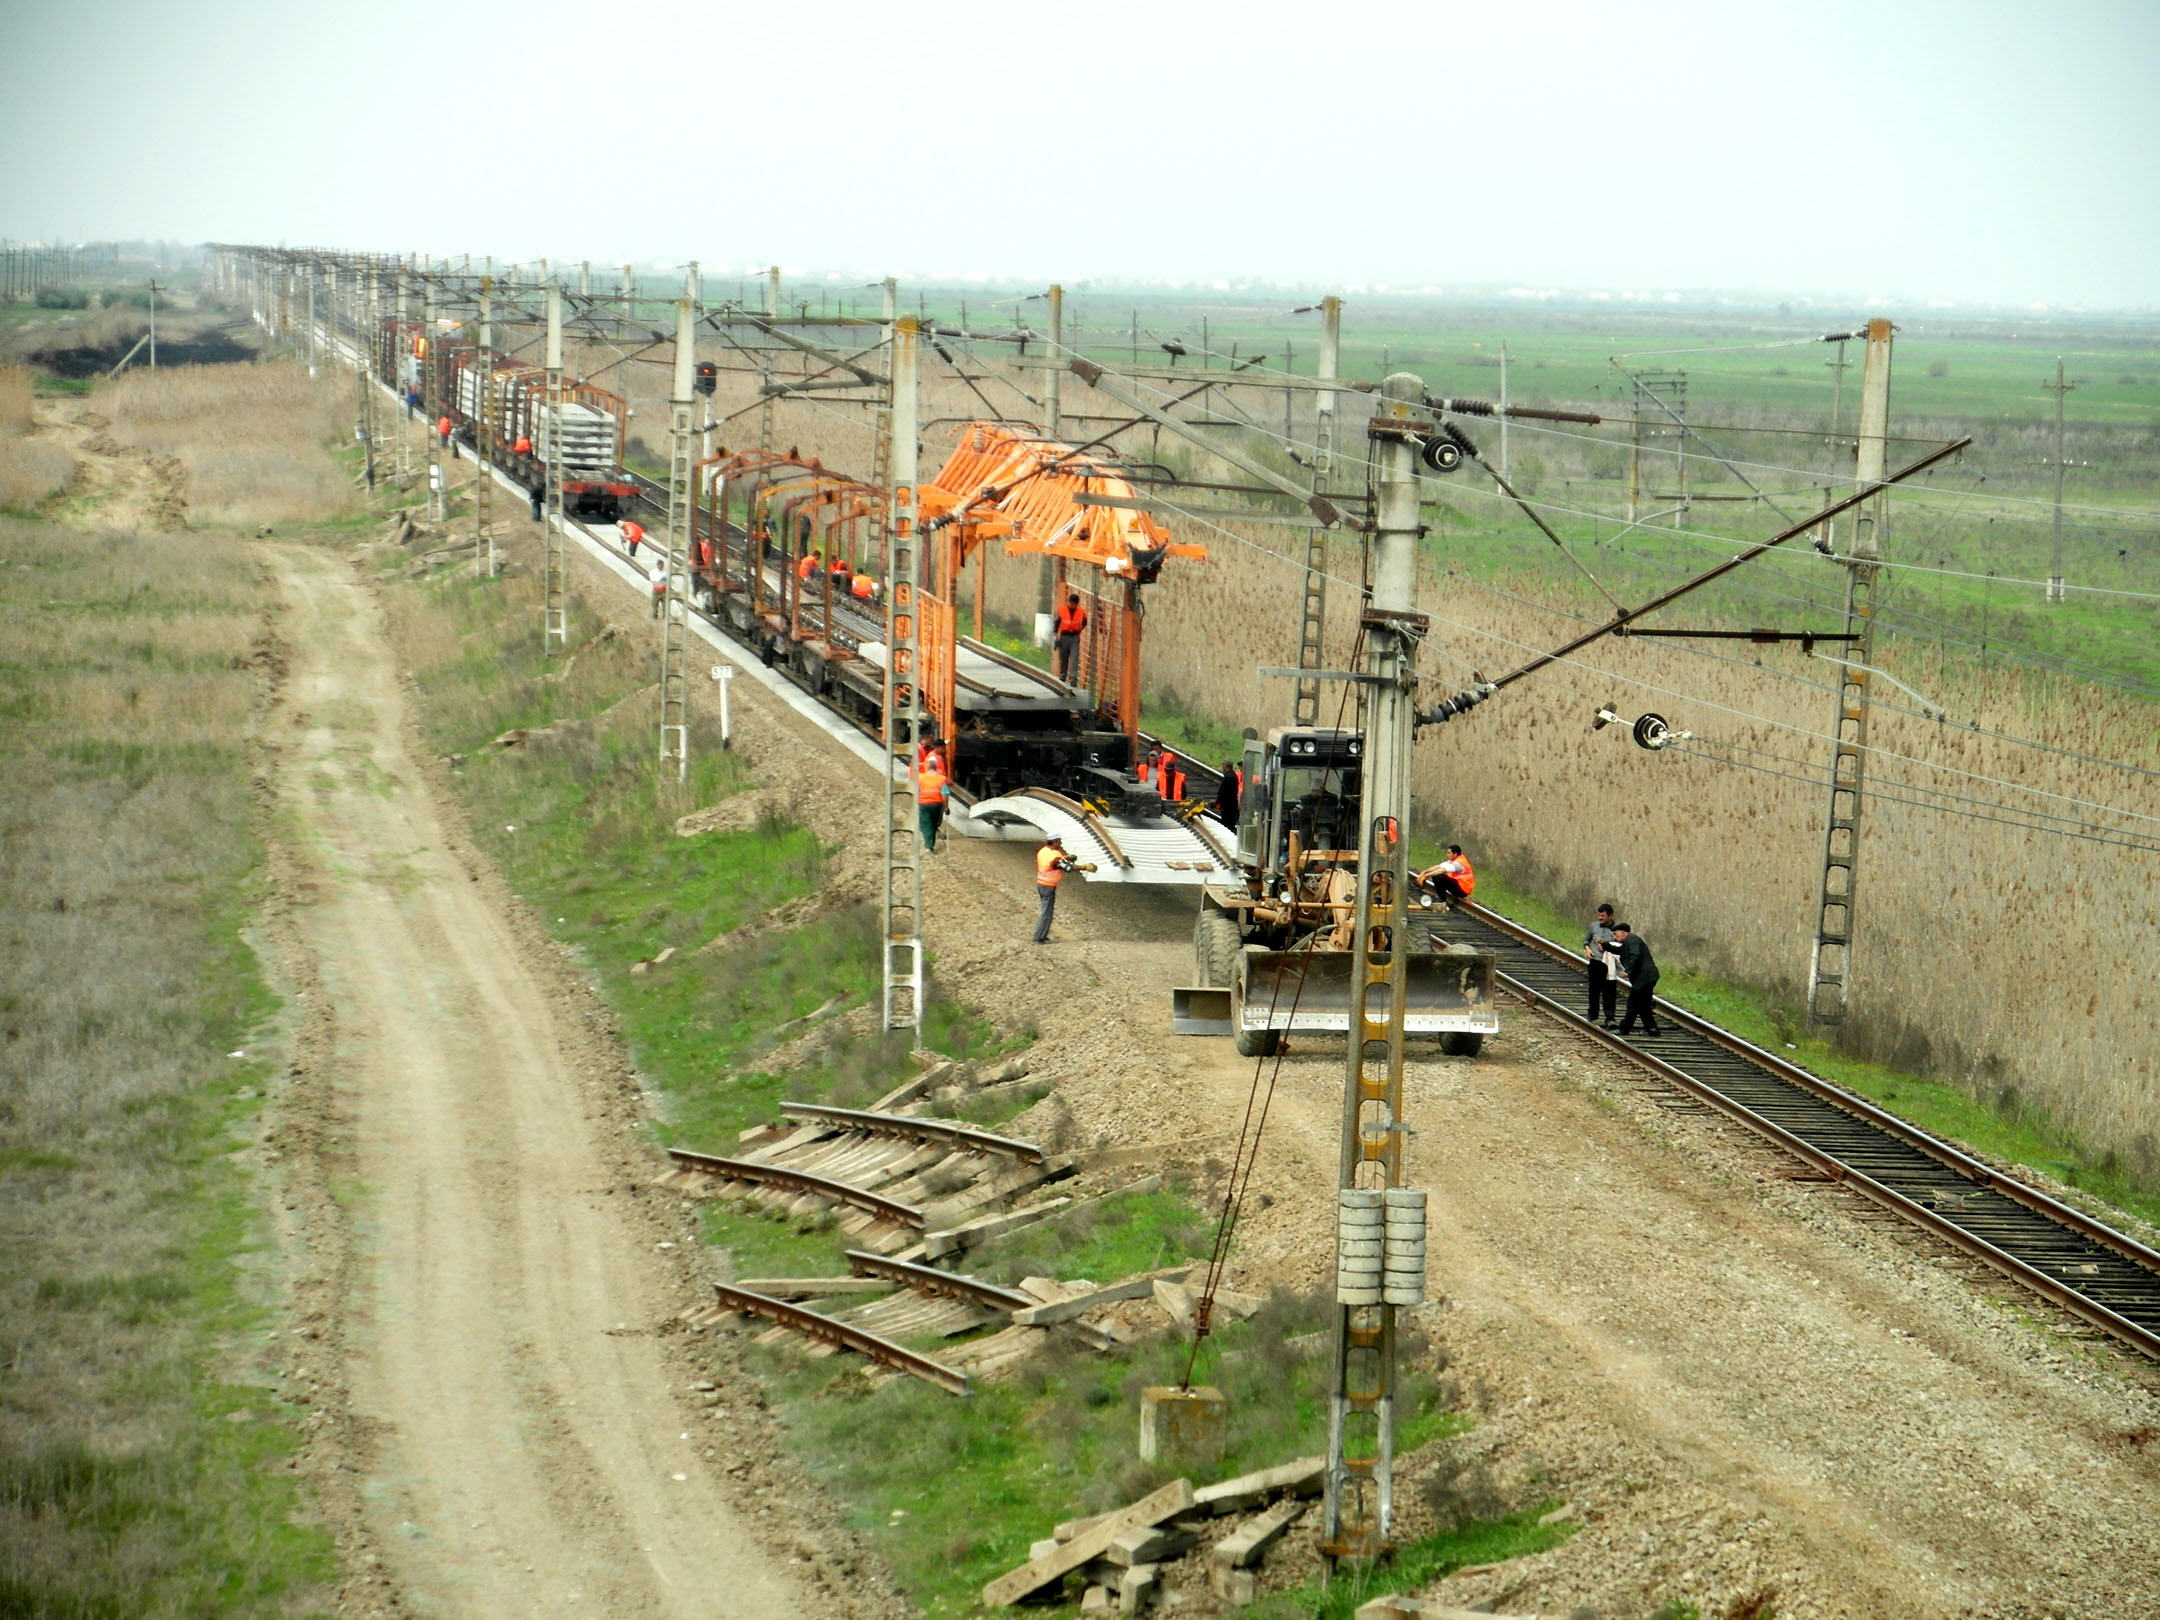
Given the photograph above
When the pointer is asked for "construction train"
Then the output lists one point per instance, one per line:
(1027, 752)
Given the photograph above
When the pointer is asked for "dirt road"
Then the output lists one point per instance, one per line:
(524, 1454)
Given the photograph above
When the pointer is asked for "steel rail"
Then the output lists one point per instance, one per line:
(801, 1181)
(845, 1335)
(1841, 1168)
(925, 1130)
(946, 1284)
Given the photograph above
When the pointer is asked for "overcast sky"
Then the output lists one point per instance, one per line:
(1973, 151)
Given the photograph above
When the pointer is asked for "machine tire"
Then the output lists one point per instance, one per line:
(1461, 1043)
(1258, 1043)
(1215, 948)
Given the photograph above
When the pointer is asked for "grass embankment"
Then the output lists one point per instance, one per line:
(140, 1438)
(583, 827)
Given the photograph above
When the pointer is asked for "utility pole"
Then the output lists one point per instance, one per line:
(765, 376)
(402, 365)
(2058, 368)
(1370, 1200)
(675, 599)
(1312, 619)
(314, 332)
(1053, 425)
(1826, 542)
(1830, 964)
(430, 401)
(555, 594)
(483, 412)
(2059, 387)
(900, 910)
(881, 424)
(1504, 473)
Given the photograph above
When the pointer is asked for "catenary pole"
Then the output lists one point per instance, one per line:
(1830, 962)
(900, 908)
(1312, 618)
(675, 552)
(2059, 387)
(1359, 1502)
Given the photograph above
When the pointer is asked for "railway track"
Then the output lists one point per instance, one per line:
(2103, 1277)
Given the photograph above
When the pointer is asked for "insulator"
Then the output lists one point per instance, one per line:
(1360, 1246)
(1403, 1255)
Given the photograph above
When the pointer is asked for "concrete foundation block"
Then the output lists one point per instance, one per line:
(1183, 1427)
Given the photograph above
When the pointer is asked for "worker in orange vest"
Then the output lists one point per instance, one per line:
(928, 753)
(813, 560)
(523, 447)
(632, 532)
(1071, 620)
(1169, 777)
(1453, 879)
(1051, 865)
(931, 793)
(862, 587)
(442, 429)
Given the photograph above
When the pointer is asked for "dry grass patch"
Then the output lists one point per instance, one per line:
(126, 855)
(255, 440)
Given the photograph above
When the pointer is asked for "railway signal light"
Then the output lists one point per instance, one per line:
(707, 381)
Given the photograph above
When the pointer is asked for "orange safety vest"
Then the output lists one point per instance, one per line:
(1169, 780)
(1070, 620)
(632, 533)
(862, 587)
(1047, 872)
(443, 427)
(523, 447)
(929, 785)
(805, 568)
(1467, 877)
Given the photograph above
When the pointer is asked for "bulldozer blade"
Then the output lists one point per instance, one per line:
(1200, 1010)
(1447, 991)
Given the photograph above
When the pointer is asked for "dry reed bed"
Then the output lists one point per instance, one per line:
(253, 438)
(30, 469)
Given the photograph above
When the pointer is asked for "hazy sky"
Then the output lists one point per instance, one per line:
(1965, 151)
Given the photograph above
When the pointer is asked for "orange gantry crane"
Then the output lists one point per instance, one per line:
(999, 485)
(1046, 499)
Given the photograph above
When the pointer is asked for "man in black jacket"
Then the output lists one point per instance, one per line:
(1639, 968)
